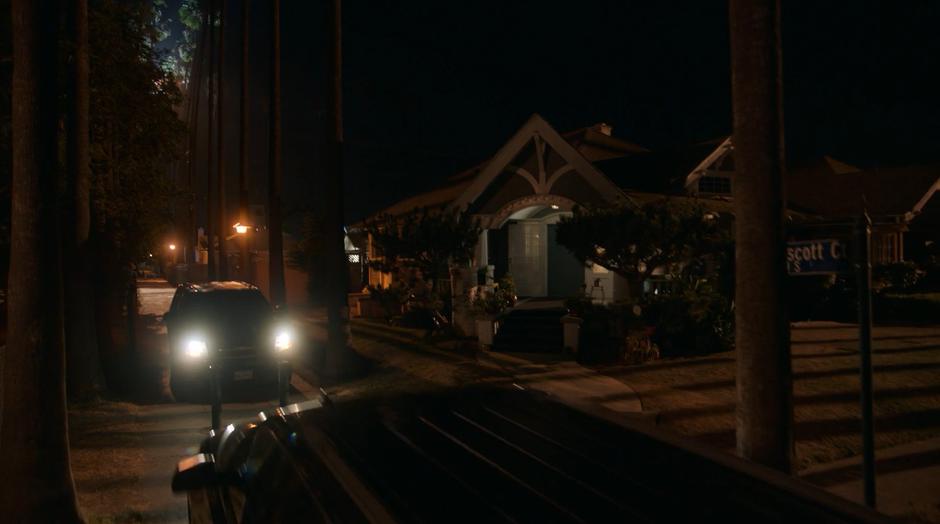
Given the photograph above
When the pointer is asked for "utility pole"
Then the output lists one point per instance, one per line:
(762, 332)
(275, 242)
(220, 174)
(338, 357)
(863, 283)
(243, 146)
(211, 108)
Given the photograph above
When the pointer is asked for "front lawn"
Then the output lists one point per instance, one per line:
(696, 396)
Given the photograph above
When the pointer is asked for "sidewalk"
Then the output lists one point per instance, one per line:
(907, 480)
(569, 382)
(563, 379)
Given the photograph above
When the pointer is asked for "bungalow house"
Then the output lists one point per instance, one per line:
(539, 175)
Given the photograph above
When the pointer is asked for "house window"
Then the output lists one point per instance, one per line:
(714, 184)
(354, 258)
(884, 248)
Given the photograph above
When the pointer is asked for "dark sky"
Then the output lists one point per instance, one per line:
(433, 87)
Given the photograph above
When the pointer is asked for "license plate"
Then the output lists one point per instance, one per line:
(244, 375)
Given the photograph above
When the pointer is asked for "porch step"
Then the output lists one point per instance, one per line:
(531, 331)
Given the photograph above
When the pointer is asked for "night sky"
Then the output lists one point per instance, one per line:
(432, 88)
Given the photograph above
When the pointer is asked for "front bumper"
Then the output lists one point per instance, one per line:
(231, 370)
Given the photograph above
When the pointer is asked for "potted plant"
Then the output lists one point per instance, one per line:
(487, 304)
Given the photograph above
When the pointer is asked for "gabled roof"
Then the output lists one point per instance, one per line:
(596, 143)
(537, 130)
(825, 186)
(440, 197)
(665, 171)
(833, 189)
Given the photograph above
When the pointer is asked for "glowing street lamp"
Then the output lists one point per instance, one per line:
(240, 228)
(172, 247)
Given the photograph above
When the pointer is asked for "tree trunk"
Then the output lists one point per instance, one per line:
(210, 105)
(338, 354)
(222, 220)
(275, 241)
(84, 370)
(764, 382)
(196, 95)
(243, 146)
(36, 485)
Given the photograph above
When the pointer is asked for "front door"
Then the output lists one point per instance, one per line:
(565, 272)
(528, 259)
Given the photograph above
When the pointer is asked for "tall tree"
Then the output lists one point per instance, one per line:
(81, 343)
(243, 144)
(195, 84)
(275, 240)
(762, 333)
(338, 353)
(222, 221)
(135, 133)
(210, 104)
(34, 448)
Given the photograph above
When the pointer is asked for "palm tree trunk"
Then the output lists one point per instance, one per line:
(762, 333)
(275, 241)
(36, 485)
(195, 96)
(222, 220)
(210, 104)
(81, 348)
(337, 351)
(243, 145)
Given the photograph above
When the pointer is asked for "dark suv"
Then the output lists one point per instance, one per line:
(226, 326)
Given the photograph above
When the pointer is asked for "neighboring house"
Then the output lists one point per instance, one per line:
(830, 195)
(540, 175)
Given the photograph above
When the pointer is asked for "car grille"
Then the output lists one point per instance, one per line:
(238, 352)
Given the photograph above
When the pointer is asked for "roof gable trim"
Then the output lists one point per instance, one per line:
(536, 129)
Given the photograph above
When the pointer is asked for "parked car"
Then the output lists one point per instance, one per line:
(480, 455)
(226, 328)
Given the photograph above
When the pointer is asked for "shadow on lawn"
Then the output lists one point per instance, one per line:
(802, 375)
(816, 430)
(850, 472)
(876, 338)
(847, 397)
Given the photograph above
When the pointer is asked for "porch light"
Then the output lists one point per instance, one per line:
(555, 206)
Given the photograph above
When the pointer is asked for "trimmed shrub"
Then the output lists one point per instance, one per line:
(899, 277)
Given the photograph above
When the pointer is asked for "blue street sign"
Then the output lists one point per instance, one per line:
(816, 257)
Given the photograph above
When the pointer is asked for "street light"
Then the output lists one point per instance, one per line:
(172, 247)
(242, 230)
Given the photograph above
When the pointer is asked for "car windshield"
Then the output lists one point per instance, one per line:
(231, 306)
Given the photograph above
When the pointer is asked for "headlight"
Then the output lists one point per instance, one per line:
(283, 340)
(195, 348)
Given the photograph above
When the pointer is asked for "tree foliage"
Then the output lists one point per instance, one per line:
(634, 241)
(424, 241)
(693, 248)
(182, 49)
(135, 129)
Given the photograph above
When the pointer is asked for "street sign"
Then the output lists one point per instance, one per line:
(816, 257)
